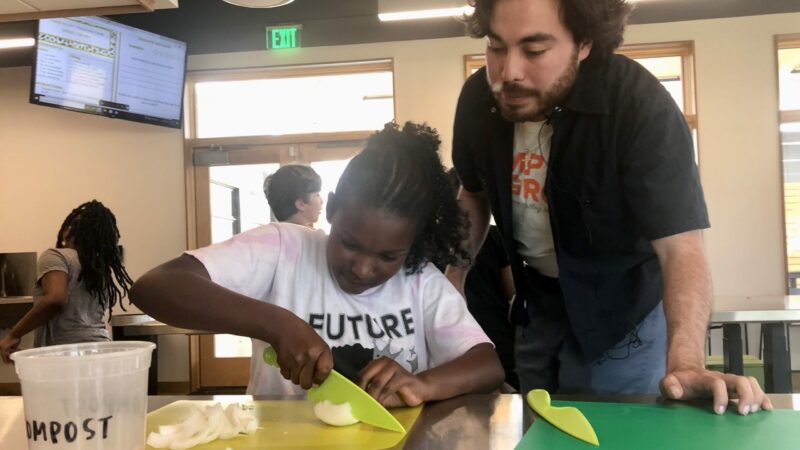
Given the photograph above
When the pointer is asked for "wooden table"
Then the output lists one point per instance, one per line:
(774, 313)
(496, 421)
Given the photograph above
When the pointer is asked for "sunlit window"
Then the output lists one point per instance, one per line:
(789, 95)
(789, 76)
(230, 346)
(253, 209)
(330, 172)
(668, 71)
(294, 105)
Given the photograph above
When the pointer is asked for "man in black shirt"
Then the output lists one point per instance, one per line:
(587, 165)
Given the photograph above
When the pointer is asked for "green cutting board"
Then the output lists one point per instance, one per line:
(627, 426)
(288, 424)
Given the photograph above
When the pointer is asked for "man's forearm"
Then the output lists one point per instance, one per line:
(687, 298)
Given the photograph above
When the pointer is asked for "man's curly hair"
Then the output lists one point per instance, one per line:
(600, 21)
(399, 171)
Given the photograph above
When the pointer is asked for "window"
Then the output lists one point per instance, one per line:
(673, 65)
(472, 63)
(789, 128)
(294, 100)
(225, 210)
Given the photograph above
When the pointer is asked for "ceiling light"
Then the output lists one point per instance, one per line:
(13, 43)
(259, 3)
(421, 9)
(426, 13)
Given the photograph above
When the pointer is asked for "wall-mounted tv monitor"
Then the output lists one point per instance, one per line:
(98, 66)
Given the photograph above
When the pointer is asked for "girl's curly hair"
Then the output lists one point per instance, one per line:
(93, 230)
(400, 172)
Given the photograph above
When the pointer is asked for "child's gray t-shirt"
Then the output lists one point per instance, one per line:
(83, 317)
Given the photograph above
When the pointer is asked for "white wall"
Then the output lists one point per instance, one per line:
(53, 160)
(739, 151)
(739, 146)
(137, 169)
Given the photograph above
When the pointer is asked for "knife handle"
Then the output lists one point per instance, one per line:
(270, 357)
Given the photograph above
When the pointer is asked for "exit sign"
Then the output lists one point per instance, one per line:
(283, 37)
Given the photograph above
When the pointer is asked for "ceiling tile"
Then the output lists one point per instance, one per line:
(14, 7)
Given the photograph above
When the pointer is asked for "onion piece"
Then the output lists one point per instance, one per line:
(333, 414)
(204, 425)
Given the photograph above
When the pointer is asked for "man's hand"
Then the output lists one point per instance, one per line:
(392, 385)
(687, 384)
(8, 345)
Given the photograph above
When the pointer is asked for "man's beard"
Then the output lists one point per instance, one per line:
(545, 101)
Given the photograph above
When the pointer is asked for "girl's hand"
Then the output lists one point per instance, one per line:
(8, 345)
(303, 356)
(392, 385)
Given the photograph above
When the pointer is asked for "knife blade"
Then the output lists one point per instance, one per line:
(337, 389)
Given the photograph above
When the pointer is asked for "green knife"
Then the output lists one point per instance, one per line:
(337, 389)
(566, 418)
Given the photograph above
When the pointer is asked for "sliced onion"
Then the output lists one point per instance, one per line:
(332, 414)
(204, 425)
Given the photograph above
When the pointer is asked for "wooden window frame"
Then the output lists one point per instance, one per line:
(683, 49)
(473, 62)
(782, 42)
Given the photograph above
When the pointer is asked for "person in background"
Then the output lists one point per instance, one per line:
(587, 165)
(489, 291)
(293, 194)
(364, 297)
(77, 282)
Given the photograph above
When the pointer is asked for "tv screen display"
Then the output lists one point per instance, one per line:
(98, 66)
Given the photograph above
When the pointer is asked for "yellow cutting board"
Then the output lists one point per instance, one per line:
(289, 424)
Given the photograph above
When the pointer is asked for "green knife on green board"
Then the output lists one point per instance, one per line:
(567, 419)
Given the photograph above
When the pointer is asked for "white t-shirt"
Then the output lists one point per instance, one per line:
(418, 320)
(529, 206)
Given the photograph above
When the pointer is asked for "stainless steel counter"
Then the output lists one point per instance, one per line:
(496, 421)
(774, 313)
(760, 309)
(132, 325)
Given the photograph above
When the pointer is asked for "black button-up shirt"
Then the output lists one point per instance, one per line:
(621, 173)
